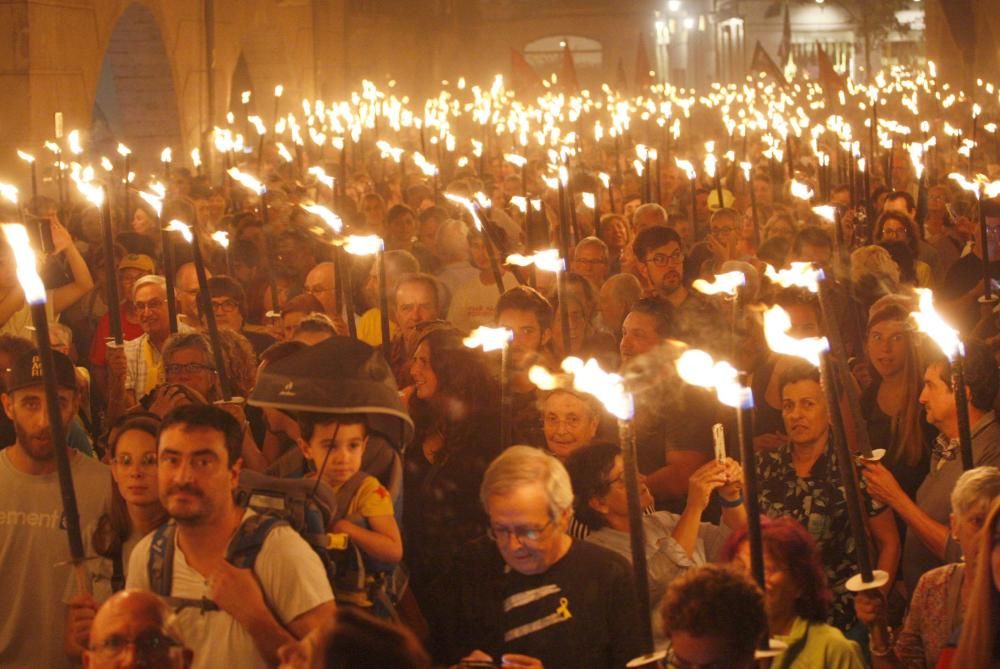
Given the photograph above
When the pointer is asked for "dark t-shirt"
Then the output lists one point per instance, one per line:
(580, 614)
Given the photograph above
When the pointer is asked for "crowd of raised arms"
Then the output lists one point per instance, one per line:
(327, 470)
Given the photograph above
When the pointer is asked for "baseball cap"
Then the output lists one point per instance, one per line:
(139, 261)
(26, 370)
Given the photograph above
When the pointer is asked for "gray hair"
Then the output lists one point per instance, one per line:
(185, 340)
(592, 241)
(149, 279)
(623, 288)
(976, 487)
(651, 208)
(62, 333)
(451, 241)
(520, 466)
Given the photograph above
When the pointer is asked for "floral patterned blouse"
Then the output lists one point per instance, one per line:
(818, 503)
(934, 616)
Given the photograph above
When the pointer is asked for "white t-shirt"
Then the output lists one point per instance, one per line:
(474, 303)
(291, 577)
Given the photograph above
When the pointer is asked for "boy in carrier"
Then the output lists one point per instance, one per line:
(335, 444)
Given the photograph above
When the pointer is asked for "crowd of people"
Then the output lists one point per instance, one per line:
(499, 532)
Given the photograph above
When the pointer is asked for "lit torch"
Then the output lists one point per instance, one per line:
(498, 339)
(609, 389)
(34, 295)
(366, 245)
(155, 200)
(205, 304)
(929, 321)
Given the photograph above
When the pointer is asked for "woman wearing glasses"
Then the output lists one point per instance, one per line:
(135, 511)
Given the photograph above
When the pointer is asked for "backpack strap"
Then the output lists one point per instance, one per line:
(249, 539)
(160, 565)
(346, 493)
(242, 552)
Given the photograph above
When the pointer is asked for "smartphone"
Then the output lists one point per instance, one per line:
(39, 232)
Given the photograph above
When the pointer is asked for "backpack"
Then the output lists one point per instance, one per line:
(296, 503)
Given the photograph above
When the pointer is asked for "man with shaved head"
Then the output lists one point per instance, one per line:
(131, 630)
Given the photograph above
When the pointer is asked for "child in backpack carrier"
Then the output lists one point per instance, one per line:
(334, 444)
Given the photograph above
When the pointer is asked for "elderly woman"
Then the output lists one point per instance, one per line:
(978, 645)
(796, 597)
(943, 594)
(674, 543)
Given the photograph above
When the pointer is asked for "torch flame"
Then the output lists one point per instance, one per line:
(24, 256)
(608, 388)
(726, 284)
(547, 260)
(26, 157)
(930, 322)
(8, 192)
(799, 275)
(687, 167)
(123, 150)
(542, 378)
(827, 212)
(166, 155)
(221, 237)
(777, 323)
(589, 201)
(331, 219)
(697, 368)
(801, 190)
(154, 201)
(181, 227)
(488, 339)
(515, 159)
(363, 245)
(73, 140)
(246, 180)
(468, 206)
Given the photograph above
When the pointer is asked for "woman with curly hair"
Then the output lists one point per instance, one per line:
(453, 402)
(796, 596)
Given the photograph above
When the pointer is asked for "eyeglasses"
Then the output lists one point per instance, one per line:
(524, 534)
(723, 230)
(894, 233)
(145, 462)
(152, 305)
(316, 290)
(228, 306)
(189, 368)
(154, 644)
(662, 259)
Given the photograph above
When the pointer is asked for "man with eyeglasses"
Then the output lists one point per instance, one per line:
(229, 302)
(661, 262)
(34, 552)
(142, 367)
(591, 261)
(131, 630)
(531, 596)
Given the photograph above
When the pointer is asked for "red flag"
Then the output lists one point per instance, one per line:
(828, 76)
(643, 75)
(523, 77)
(567, 76)
(761, 62)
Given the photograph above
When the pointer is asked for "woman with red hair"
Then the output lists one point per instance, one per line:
(796, 597)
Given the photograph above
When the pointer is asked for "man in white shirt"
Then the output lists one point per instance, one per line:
(252, 612)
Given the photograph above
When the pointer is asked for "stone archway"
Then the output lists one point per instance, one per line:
(135, 102)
